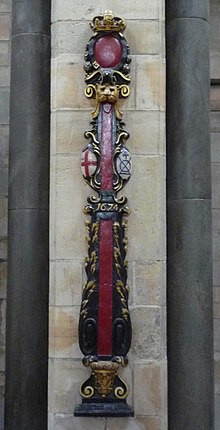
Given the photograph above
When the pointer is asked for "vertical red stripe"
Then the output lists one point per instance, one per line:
(106, 148)
(105, 289)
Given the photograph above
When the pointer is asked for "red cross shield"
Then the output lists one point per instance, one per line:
(88, 163)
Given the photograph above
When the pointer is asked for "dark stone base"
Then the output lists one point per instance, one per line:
(103, 410)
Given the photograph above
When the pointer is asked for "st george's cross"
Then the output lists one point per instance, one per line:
(88, 163)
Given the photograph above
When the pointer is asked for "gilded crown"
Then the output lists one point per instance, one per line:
(108, 22)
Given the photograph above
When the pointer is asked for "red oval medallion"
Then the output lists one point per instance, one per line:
(108, 51)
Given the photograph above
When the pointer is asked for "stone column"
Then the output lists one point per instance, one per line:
(190, 326)
(28, 256)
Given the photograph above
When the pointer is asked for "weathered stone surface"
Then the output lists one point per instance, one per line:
(216, 185)
(3, 216)
(189, 9)
(5, 5)
(70, 242)
(215, 122)
(216, 273)
(215, 142)
(146, 222)
(144, 132)
(138, 423)
(5, 25)
(216, 234)
(69, 37)
(64, 332)
(34, 19)
(4, 105)
(3, 279)
(3, 181)
(4, 54)
(146, 340)
(68, 422)
(215, 34)
(84, 10)
(217, 335)
(4, 132)
(68, 283)
(68, 377)
(150, 283)
(150, 83)
(215, 98)
(70, 131)
(147, 401)
(143, 37)
(217, 415)
(4, 76)
(3, 249)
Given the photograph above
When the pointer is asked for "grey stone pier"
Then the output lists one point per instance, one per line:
(190, 316)
(28, 232)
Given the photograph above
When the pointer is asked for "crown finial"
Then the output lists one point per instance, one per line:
(108, 22)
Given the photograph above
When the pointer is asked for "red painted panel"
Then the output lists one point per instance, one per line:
(105, 289)
(106, 148)
(108, 51)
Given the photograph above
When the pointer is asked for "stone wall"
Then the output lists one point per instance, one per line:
(5, 24)
(144, 114)
(215, 140)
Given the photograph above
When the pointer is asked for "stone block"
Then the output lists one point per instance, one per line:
(137, 423)
(215, 122)
(217, 373)
(147, 332)
(3, 279)
(144, 129)
(3, 216)
(216, 273)
(146, 194)
(4, 53)
(69, 422)
(68, 82)
(215, 97)
(68, 377)
(3, 248)
(143, 37)
(216, 310)
(4, 76)
(216, 295)
(150, 282)
(5, 5)
(68, 283)
(147, 389)
(51, 375)
(4, 145)
(70, 37)
(216, 234)
(217, 412)
(5, 25)
(64, 332)
(150, 82)
(3, 181)
(52, 224)
(216, 185)
(2, 343)
(4, 105)
(217, 335)
(70, 131)
(215, 146)
(86, 10)
(50, 421)
(71, 195)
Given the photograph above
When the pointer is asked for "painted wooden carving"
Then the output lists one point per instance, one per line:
(104, 325)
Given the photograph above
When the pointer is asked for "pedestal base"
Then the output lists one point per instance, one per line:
(103, 410)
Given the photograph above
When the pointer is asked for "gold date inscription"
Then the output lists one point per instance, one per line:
(107, 207)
